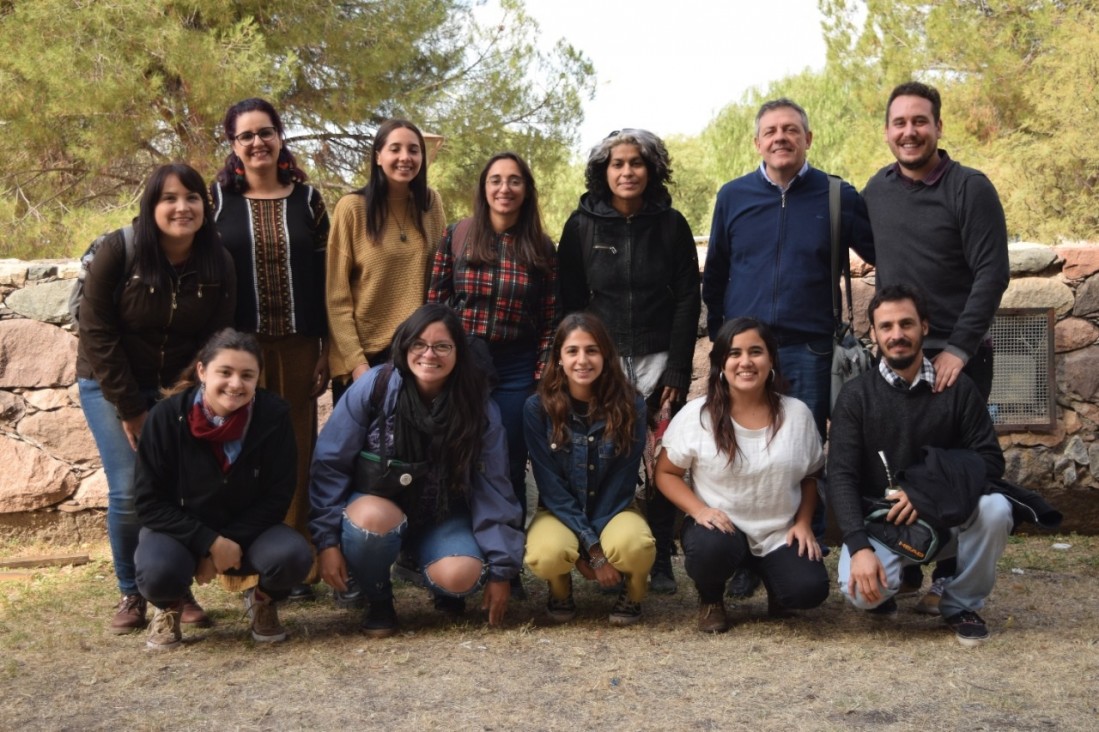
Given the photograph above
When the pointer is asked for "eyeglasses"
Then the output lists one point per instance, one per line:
(419, 347)
(266, 134)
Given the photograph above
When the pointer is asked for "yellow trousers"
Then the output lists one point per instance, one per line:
(552, 551)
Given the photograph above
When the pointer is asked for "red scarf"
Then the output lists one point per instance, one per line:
(231, 429)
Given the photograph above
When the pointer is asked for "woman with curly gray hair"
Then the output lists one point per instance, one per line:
(628, 257)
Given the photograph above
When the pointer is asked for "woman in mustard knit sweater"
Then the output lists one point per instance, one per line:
(379, 253)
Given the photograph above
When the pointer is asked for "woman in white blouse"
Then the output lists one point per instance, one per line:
(753, 455)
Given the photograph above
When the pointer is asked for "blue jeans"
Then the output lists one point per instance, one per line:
(369, 556)
(977, 544)
(515, 373)
(807, 368)
(118, 460)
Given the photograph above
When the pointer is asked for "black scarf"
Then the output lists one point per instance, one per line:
(419, 434)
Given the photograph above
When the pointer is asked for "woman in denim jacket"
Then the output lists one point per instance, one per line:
(585, 429)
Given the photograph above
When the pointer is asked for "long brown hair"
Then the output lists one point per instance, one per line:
(719, 402)
(531, 245)
(376, 190)
(613, 395)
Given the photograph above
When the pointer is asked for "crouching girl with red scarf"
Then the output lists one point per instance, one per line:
(214, 477)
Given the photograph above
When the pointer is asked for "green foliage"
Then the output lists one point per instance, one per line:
(1019, 86)
(92, 95)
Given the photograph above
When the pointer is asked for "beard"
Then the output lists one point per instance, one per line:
(900, 363)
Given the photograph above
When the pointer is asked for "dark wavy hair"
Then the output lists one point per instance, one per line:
(231, 176)
(530, 238)
(151, 266)
(467, 386)
(895, 293)
(613, 395)
(719, 401)
(653, 152)
(916, 89)
(376, 190)
(224, 339)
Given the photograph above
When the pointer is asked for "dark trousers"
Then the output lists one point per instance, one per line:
(165, 568)
(711, 557)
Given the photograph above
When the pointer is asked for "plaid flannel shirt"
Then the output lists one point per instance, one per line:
(501, 301)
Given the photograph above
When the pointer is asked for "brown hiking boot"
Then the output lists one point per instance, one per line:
(191, 613)
(164, 632)
(712, 618)
(129, 615)
(260, 608)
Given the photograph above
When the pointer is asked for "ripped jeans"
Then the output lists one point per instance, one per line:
(370, 556)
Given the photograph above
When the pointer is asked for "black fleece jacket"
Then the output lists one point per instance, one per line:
(639, 274)
(871, 415)
(181, 491)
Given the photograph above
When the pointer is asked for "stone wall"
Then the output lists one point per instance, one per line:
(48, 461)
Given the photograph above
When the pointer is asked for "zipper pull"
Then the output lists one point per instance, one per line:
(174, 304)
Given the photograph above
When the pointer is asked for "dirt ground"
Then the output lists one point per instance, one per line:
(828, 669)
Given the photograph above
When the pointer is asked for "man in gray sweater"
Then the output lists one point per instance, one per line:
(940, 226)
(895, 411)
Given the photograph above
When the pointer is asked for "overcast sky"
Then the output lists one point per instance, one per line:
(670, 66)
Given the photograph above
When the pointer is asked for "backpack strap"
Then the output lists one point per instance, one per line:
(840, 264)
(377, 398)
(459, 238)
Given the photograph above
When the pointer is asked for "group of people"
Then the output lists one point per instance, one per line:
(456, 354)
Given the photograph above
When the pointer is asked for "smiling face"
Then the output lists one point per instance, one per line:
(400, 157)
(230, 379)
(899, 333)
(431, 369)
(782, 142)
(505, 191)
(913, 135)
(748, 365)
(627, 178)
(258, 155)
(582, 363)
(178, 213)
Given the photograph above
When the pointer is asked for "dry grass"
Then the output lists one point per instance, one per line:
(831, 668)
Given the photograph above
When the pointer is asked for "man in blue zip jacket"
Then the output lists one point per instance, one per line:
(769, 255)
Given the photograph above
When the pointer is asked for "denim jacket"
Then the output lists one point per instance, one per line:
(583, 483)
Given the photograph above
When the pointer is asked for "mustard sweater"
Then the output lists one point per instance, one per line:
(372, 287)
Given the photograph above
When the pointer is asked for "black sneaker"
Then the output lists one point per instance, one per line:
(662, 578)
(743, 584)
(969, 628)
(625, 611)
(887, 610)
(350, 598)
(452, 607)
(380, 620)
(561, 611)
(301, 593)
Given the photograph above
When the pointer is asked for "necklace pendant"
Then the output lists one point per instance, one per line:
(404, 236)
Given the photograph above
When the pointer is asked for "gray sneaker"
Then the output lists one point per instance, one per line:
(261, 610)
(625, 611)
(164, 632)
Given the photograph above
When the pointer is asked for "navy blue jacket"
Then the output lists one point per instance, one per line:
(583, 483)
(769, 254)
(493, 507)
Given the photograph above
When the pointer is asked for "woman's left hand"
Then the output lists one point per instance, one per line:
(670, 395)
(320, 375)
(497, 594)
(807, 542)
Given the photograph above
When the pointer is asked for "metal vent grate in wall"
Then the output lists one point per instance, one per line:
(1024, 381)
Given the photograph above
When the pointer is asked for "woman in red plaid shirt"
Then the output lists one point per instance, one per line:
(498, 270)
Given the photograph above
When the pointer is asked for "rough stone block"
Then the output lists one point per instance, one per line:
(1080, 260)
(12, 408)
(1087, 297)
(48, 399)
(32, 479)
(1030, 258)
(13, 272)
(47, 302)
(1077, 372)
(35, 355)
(1072, 334)
(63, 433)
(92, 492)
(1038, 292)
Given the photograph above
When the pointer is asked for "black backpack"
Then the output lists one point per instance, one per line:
(77, 292)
